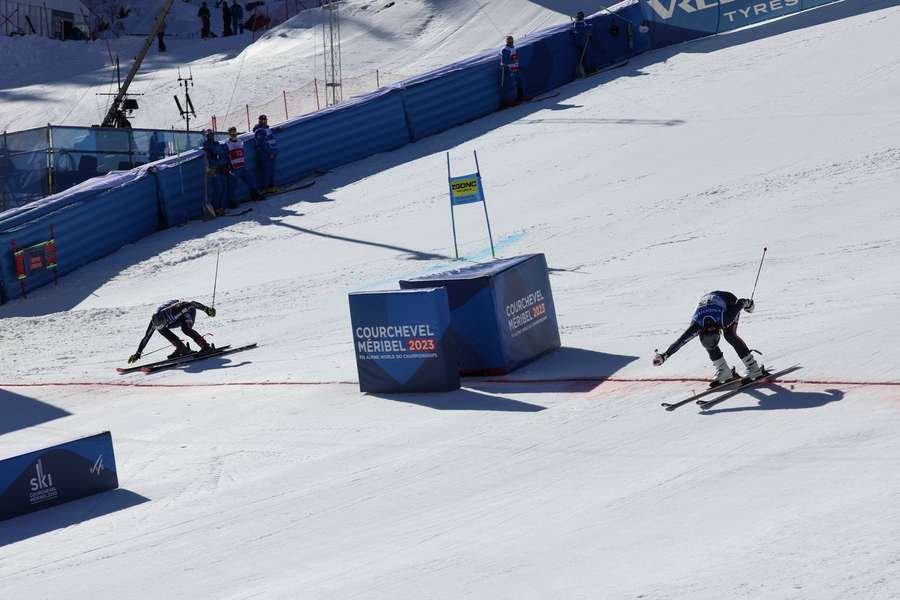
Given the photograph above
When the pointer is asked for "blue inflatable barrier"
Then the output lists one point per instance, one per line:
(451, 96)
(502, 312)
(89, 222)
(401, 341)
(339, 135)
(55, 475)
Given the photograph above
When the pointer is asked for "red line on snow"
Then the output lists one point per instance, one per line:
(562, 380)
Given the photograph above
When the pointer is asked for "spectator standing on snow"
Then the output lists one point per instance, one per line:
(266, 153)
(510, 76)
(203, 13)
(156, 147)
(216, 170)
(581, 32)
(226, 20)
(160, 34)
(237, 168)
(237, 18)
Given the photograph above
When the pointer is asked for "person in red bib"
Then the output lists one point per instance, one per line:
(237, 169)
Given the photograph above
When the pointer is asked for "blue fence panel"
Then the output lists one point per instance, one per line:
(674, 21)
(94, 224)
(630, 39)
(180, 188)
(456, 94)
(339, 135)
(740, 13)
(547, 59)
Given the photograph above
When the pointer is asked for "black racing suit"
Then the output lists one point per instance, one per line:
(725, 309)
(175, 313)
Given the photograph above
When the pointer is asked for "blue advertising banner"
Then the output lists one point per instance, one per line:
(502, 312)
(401, 341)
(56, 475)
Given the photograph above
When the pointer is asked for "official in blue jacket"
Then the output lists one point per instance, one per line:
(216, 171)
(582, 34)
(511, 91)
(266, 154)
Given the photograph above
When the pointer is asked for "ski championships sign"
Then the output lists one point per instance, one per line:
(401, 341)
(56, 475)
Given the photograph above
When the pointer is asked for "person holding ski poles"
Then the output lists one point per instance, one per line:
(717, 314)
(582, 33)
(176, 313)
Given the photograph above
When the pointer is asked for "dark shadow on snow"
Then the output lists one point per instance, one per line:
(463, 399)
(20, 412)
(564, 370)
(68, 514)
(774, 396)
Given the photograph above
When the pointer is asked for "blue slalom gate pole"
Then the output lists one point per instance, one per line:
(452, 217)
(484, 202)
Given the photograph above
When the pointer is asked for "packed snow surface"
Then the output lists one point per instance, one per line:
(266, 474)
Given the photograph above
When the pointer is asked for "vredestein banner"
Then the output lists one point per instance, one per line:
(55, 475)
(401, 341)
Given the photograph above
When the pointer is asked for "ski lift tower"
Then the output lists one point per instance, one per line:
(331, 45)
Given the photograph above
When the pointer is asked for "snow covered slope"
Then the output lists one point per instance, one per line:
(58, 82)
(266, 474)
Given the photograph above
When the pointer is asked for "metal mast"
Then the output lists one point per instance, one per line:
(331, 45)
(116, 115)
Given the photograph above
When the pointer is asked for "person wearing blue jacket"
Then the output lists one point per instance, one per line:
(581, 32)
(510, 77)
(216, 171)
(266, 154)
(717, 314)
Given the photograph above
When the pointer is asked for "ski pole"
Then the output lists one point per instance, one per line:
(216, 279)
(758, 271)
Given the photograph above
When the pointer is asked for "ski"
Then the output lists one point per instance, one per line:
(300, 185)
(541, 98)
(195, 357)
(769, 378)
(608, 68)
(123, 370)
(718, 388)
(237, 213)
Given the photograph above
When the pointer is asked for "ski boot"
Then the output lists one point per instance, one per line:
(180, 351)
(754, 369)
(724, 373)
(206, 349)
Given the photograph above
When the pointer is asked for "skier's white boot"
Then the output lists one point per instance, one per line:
(754, 369)
(724, 373)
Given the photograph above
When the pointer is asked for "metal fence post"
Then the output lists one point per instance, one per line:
(49, 160)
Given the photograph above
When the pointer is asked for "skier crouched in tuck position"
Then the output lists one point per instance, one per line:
(176, 313)
(718, 312)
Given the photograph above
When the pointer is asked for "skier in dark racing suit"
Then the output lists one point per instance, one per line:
(717, 314)
(176, 313)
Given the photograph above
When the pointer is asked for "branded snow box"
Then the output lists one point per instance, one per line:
(501, 313)
(56, 475)
(401, 341)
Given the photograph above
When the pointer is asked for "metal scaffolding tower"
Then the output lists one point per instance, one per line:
(331, 46)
